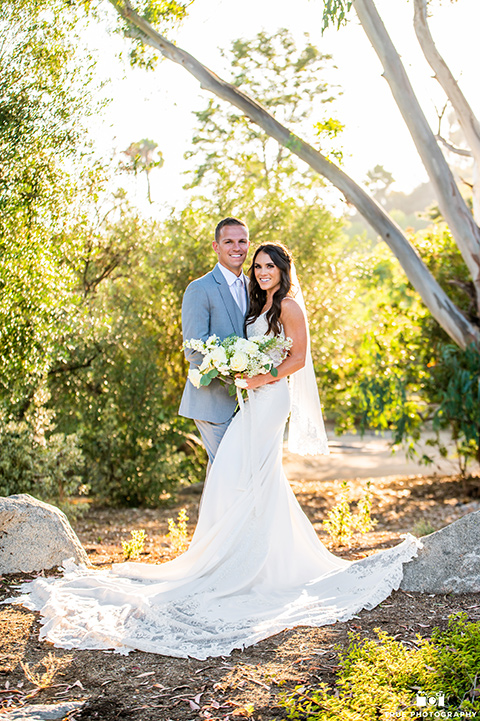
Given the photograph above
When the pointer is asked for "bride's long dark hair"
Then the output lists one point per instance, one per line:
(281, 257)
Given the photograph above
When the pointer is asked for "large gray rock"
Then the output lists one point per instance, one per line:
(449, 561)
(35, 536)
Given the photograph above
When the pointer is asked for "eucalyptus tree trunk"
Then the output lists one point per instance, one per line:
(452, 206)
(464, 113)
(451, 319)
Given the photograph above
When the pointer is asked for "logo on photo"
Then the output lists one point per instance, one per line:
(437, 700)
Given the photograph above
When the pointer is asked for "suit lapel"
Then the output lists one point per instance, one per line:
(234, 312)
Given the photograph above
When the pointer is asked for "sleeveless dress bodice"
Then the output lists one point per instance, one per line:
(260, 328)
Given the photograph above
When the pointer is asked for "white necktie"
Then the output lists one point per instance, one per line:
(239, 294)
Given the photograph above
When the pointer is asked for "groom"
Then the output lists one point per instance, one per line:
(215, 304)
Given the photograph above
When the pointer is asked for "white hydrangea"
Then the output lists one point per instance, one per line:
(211, 341)
(195, 344)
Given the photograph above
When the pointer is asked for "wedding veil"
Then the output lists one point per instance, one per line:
(306, 429)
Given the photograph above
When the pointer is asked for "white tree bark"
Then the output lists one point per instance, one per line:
(465, 115)
(452, 206)
(455, 324)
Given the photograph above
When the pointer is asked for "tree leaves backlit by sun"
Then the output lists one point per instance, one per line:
(164, 15)
(335, 12)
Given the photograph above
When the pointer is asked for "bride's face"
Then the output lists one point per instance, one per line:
(267, 274)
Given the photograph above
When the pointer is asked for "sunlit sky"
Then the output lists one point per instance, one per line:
(159, 104)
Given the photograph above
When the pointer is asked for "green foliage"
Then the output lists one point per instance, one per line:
(35, 460)
(341, 523)
(122, 384)
(382, 678)
(362, 519)
(423, 528)
(233, 155)
(391, 367)
(335, 12)
(177, 535)
(163, 15)
(457, 377)
(134, 547)
(43, 100)
(72, 313)
(328, 130)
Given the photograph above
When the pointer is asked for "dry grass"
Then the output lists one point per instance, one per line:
(52, 665)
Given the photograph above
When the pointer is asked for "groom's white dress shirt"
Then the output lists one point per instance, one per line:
(236, 287)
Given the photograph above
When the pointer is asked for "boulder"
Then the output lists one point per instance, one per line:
(35, 536)
(449, 561)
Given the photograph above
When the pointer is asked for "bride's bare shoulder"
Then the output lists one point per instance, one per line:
(291, 309)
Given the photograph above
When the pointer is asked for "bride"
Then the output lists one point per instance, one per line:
(255, 565)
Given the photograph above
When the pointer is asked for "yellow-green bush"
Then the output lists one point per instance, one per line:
(383, 678)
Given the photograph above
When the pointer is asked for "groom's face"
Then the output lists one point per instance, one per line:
(232, 247)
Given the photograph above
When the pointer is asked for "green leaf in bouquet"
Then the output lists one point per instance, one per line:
(205, 380)
(274, 372)
(213, 373)
(232, 389)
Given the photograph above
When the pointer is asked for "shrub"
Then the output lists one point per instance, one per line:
(341, 523)
(458, 378)
(47, 468)
(134, 547)
(380, 679)
(177, 535)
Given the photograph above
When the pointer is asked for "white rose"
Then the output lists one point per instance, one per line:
(240, 344)
(240, 382)
(194, 376)
(239, 361)
(218, 357)
(246, 346)
(250, 348)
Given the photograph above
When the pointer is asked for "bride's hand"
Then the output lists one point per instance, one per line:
(255, 381)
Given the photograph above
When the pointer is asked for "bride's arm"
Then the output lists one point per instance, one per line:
(293, 322)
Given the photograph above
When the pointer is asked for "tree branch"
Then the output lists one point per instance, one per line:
(453, 148)
(465, 115)
(444, 311)
(451, 203)
(70, 367)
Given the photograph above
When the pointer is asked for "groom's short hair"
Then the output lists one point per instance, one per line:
(228, 221)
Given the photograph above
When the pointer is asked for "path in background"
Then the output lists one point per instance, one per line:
(370, 456)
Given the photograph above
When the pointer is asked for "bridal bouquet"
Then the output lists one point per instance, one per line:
(225, 359)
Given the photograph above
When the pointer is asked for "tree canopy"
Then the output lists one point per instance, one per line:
(452, 205)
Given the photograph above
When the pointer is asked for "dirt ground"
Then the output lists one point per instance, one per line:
(246, 684)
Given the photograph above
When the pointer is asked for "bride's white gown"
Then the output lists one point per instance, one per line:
(254, 567)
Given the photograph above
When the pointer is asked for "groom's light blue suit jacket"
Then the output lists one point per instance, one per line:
(209, 308)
